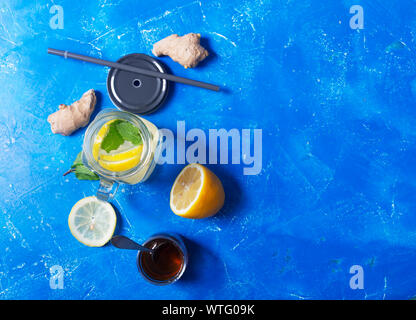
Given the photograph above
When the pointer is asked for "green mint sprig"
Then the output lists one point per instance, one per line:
(81, 171)
(120, 131)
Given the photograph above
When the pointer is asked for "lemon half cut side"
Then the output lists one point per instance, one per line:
(196, 193)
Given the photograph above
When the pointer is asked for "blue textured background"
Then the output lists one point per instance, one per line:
(337, 109)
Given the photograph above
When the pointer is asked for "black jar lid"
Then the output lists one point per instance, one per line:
(134, 92)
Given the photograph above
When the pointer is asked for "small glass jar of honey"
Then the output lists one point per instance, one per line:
(168, 261)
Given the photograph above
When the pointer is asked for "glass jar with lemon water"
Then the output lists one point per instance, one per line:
(120, 147)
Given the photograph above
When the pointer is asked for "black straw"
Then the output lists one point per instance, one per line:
(129, 68)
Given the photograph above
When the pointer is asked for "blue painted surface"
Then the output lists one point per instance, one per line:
(337, 110)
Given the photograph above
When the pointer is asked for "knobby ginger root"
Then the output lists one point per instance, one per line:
(185, 50)
(70, 118)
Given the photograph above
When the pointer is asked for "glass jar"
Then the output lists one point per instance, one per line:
(160, 275)
(110, 180)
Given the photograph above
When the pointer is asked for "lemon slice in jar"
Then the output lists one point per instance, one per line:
(134, 152)
(119, 166)
(99, 138)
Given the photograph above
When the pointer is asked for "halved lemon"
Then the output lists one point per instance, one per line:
(196, 193)
(92, 221)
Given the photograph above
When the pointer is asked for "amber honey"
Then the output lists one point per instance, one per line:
(165, 264)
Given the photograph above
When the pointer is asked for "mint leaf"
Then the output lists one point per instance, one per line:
(81, 171)
(113, 139)
(78, 160)
(129, 132)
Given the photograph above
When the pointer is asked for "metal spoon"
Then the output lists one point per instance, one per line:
(123, 242)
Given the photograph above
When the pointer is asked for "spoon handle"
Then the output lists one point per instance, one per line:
(123, 242)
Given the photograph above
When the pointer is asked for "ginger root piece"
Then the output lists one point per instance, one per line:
(185, 50)
(70, 118)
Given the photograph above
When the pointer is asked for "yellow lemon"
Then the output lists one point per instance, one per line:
(99, 138)
(92, 221)
(135, 152)
(118, 166)
(196, 193)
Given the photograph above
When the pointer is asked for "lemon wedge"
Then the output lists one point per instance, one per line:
(196, 193)
(92, 221)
